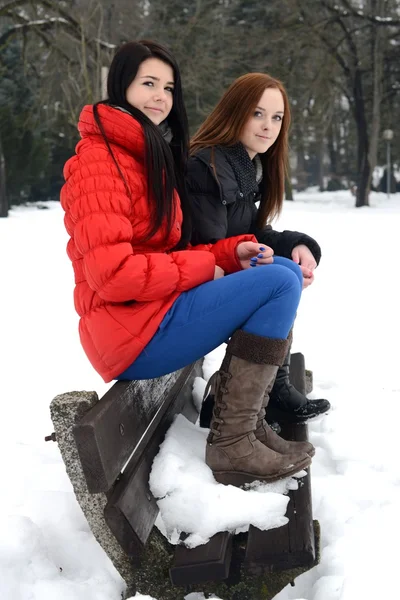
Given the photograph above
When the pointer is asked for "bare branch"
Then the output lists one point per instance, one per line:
(69, 23)
(42, 24)
(334, 49)
(4, 8)
(347, 33)
(76, 26)
(350, 9)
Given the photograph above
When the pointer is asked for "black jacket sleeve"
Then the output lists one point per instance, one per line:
(283, 242)
(209, 214)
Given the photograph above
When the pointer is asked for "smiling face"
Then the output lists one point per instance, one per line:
(152, 90)
(263, 127)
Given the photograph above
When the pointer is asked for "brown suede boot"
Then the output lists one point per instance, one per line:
(272, 440)
(233, 452)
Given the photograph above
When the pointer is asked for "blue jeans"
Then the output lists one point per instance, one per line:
(261, 300)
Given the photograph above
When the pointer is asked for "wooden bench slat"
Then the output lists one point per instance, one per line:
(300, 504)
(108, 434)
(297, 372)
(292, 545)
(131, 509)
(209, 562)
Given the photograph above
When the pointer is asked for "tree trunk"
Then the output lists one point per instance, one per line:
(320, 159)
(363, 166)
(288, 188)
(332, 151)
(301, 174)
(3, 191)
(377, 66)
(364, 178)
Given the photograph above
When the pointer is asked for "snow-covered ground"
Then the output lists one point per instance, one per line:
(348, 328)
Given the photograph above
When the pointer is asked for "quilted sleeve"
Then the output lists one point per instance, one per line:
(103, 235)
(225, 252)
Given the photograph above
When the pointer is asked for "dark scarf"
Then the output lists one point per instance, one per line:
(166, 131)
(163, 127)
(247, 172)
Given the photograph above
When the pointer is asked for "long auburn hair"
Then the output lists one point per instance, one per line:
(225, 124)
(165, 163)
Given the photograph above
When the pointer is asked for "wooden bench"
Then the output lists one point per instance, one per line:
(108, 447)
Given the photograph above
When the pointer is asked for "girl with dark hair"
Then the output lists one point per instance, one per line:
(149, 302)
(239, 157)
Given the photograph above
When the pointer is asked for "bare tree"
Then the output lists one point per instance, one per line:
(44, 16)
(358, 48)
(3, 196)
(338, 61)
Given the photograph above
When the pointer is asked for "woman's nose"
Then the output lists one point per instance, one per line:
(159, 95)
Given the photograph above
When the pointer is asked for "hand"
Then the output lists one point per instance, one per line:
(304, 257)
(306, 261)
(308, 277)
(218, 272)
(261, 254)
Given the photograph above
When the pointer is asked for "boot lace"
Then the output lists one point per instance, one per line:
(217, 384)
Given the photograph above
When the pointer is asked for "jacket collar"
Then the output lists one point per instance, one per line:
(205, 156)
(227, 181)
(119, 126)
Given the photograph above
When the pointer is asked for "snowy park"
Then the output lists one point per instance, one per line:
(150, 154)
(348, 329)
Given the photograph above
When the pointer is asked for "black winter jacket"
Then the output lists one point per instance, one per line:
(220, 210)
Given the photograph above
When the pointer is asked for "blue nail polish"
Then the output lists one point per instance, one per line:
(262, 249)
(253, 264)
(260, 256)
(254, 259)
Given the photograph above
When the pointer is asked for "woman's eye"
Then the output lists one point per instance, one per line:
(170, 89)
(148, 83)
(278, 117)
(258, 113)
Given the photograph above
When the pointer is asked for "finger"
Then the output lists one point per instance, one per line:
(306, 272)
(296, 255)
(248, 249)
(266, 249)
(307, 281)
(265, 254)
(265, 261)
(253, 261)
(254, 249)
(311, 264)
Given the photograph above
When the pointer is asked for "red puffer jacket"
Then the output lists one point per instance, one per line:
(123, 287)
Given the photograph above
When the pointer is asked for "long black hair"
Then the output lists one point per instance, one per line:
(165, 163)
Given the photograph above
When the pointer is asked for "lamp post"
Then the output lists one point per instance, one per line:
(388, 136)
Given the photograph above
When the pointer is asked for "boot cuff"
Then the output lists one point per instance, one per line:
(258, 349)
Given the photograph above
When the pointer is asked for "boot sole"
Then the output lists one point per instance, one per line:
(240, 478)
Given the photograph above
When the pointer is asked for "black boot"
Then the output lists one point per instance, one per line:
(207, 410)
(288, 405)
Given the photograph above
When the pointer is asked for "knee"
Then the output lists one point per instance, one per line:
(277, 278)
(291, 266)
(286, 282)
(292, 281)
